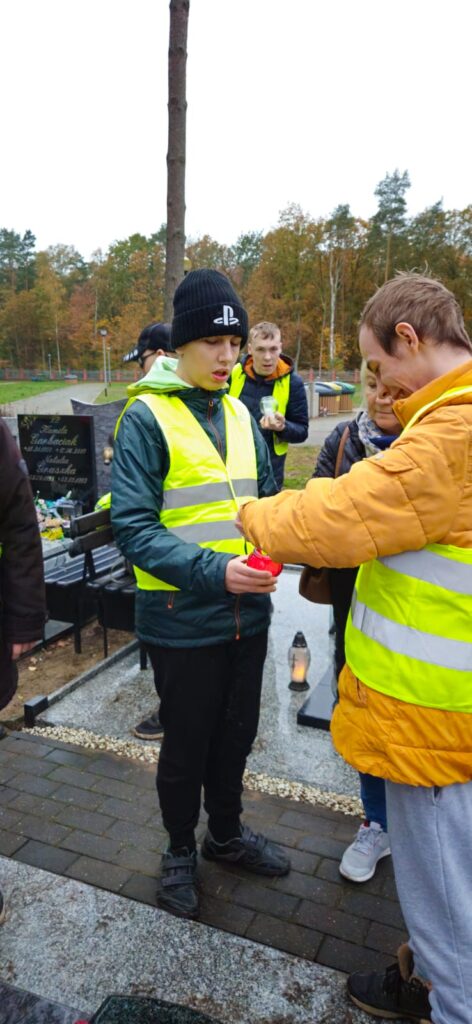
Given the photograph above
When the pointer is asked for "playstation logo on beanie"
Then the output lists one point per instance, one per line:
(207, 306)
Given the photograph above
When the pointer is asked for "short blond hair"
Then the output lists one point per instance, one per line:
(265, 330)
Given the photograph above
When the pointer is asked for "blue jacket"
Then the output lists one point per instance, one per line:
(201, 611)
(296, 416)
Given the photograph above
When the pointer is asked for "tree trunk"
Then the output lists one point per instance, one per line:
(334, 285)
(58, 350)
(387, 257)
(177, 106)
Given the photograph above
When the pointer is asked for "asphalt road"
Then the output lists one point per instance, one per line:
(58, 403)
(55, 403)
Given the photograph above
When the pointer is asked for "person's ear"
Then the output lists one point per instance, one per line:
(406, 333)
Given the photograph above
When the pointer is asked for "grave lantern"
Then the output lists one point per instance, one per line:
(299, 658)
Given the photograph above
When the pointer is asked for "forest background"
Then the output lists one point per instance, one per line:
(311, 276)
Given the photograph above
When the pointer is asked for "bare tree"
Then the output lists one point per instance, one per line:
(177, 106)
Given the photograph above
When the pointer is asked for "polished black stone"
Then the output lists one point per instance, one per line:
(142, 1010)
(318, 707)
(20, 1007)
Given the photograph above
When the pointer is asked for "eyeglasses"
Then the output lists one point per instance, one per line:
(145, 355)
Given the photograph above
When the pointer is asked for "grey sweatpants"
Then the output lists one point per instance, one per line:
(430, 831)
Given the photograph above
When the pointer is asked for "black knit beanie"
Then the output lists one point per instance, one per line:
(205, 306)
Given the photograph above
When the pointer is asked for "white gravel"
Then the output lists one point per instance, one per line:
(149, 753)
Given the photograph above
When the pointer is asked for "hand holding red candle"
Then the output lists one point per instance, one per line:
(258, 560)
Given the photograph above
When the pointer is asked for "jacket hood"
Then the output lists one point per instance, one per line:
(162, 377)
(459, 377)
(284, 366)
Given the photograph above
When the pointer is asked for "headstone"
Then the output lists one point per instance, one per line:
(12, 424)
(104, 421)
(318, 708)
(59, 452)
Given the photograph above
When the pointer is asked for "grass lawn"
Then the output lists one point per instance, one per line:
(15, 390)
(299, 465)
(114, 392)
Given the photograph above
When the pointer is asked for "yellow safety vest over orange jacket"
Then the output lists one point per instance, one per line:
(405, 710)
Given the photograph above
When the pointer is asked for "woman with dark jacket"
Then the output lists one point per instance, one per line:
(371, 431)
(22, 597)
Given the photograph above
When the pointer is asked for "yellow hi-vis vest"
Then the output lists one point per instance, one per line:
(202, 494)
(103, 503)
(281, 392)
(409, 629)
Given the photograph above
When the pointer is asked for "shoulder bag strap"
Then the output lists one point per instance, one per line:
(342, 445)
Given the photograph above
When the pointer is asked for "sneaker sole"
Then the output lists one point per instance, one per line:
(237, 863)
(186, 915)
(149, 736)
(370, 874)
(387, 1014)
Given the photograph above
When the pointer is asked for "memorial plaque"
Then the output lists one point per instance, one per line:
(59, 452)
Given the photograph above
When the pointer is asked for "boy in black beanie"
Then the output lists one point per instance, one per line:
(186, 456)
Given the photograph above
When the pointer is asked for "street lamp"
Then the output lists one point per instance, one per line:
(50, 368)
(103, 332)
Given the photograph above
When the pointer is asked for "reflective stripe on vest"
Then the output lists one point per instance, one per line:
(281, 392)
(201, 493)
(409, 632)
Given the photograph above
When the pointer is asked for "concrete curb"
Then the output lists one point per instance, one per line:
(73, 684)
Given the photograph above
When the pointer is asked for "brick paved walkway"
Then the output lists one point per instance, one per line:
(93, 816)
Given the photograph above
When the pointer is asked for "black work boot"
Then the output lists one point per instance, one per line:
(250, 850)
(395, 994)
(177, 887)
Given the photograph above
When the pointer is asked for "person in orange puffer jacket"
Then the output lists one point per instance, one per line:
(405, 710)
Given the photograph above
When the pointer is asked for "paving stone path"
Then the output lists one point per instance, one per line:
(93, 816)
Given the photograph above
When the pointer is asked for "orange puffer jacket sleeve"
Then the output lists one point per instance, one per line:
(416, 493)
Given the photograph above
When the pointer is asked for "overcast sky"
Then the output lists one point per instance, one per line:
(296, 101)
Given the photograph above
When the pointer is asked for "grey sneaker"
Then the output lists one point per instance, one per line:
(362, 856)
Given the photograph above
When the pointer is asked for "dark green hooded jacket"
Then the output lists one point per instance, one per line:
(201, 612)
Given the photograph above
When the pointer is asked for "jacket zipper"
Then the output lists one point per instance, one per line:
(219, 442)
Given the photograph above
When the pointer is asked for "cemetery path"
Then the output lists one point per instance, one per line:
(56, 403)
(90, 815)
